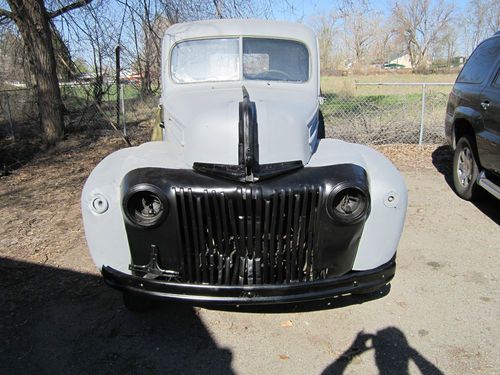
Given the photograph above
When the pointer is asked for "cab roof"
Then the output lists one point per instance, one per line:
(241, 27)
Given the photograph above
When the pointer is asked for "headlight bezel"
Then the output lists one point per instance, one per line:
(341, 191)
(130, 205)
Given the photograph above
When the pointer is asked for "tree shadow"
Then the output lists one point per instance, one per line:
(392, 354)
(60, 321)
(442, 159)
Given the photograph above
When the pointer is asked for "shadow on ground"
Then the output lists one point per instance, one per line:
(59, 321)
(442, 159)
(392, 354)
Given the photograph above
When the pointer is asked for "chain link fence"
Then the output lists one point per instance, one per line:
(385, 113)
(388, 113)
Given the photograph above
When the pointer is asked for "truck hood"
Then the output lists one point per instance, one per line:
(205, 123)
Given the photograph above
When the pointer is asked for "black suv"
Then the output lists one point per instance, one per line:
(472, 122)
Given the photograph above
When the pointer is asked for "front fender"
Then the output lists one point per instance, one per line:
(105, 232)
(383, 227)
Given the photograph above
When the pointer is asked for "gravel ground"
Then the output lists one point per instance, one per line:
(440, 316)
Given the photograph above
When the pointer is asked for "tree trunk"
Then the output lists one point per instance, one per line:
(33, 23)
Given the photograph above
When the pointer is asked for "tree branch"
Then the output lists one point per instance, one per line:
(6, 14)
(69, 7)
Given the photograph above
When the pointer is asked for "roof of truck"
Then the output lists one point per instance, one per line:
(241, 27)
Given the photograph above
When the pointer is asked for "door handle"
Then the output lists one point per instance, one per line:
(485, 104)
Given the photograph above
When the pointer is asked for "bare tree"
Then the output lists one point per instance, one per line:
(149, 22)
(32, 18)
(14, 65)
(419, 24)
(326, 28)
(360, 25)
(444, 49)
(481, 20)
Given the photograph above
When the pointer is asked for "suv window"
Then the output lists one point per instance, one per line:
(497, 80)
(478, 67)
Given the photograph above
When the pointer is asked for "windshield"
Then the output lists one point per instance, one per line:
(266, 59)
(275, 60)
(206, 60)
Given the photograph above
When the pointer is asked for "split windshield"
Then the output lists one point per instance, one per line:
(210, 60)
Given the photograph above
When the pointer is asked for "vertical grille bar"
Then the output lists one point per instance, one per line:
(315, 241)
(194, 234)
(210, 232)
(218, 221)
(300, 244)
(272, 237)
(266, 241)
(258, 223)
(294, 239)
(225, 228)
(201, 235)
(288, 239)
(249, 216)
(279, 260)
(232, 221)
(187, 237)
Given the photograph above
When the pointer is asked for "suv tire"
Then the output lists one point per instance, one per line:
(465, 170)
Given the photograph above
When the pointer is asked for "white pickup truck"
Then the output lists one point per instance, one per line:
(243, 202)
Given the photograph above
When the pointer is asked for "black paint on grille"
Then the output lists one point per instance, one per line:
(241, 237)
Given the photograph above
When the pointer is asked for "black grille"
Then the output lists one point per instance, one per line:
(241, 237)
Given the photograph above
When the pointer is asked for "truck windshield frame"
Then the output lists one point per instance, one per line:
(220, 60)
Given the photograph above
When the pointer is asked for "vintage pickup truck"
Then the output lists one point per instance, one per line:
(243, 202)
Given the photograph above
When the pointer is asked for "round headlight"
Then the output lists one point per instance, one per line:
(348, 204)
(145, 206)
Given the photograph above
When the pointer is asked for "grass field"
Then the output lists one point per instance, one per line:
(82, 91)
(384, 114)
(346, 86)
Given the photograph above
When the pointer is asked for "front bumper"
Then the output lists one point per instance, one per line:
(352, 282)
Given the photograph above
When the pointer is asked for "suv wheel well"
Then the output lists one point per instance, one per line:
(463, 128)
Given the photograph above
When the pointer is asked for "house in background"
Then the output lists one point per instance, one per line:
(399, 61)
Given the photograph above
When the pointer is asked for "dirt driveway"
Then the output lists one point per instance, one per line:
(441, 315)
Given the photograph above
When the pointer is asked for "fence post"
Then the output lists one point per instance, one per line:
(9, 116)
(422, 115)
(117, 73)
(123, 111)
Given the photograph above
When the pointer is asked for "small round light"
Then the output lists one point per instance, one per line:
(391, 199)
(99, 204)
(145, 207)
